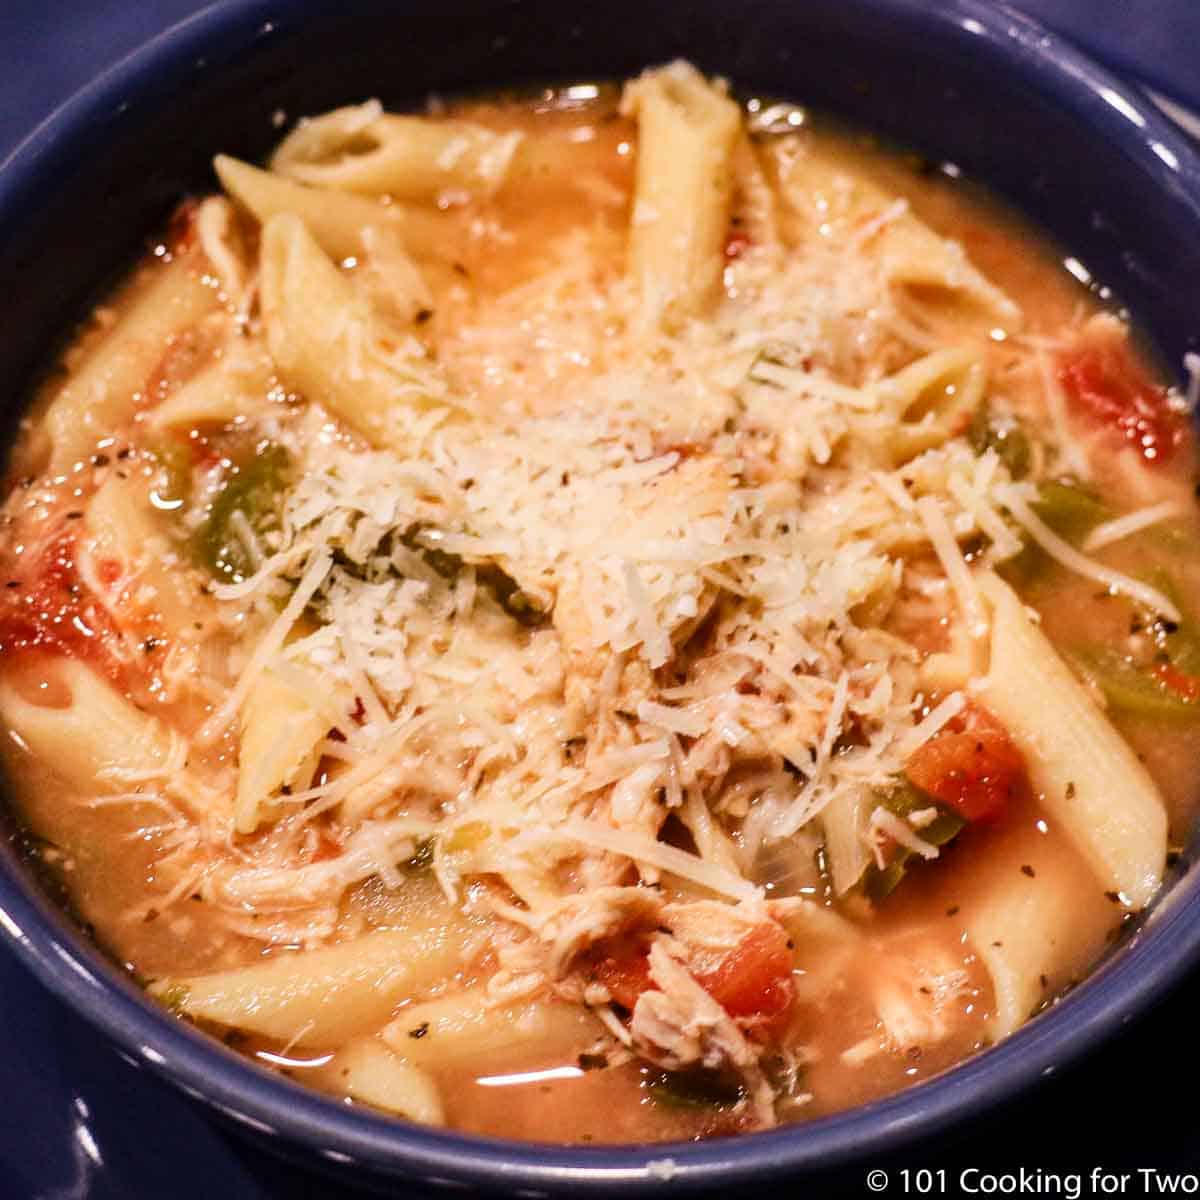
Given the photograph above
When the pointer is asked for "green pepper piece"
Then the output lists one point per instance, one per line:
(1135, 690)
(1069, 510)
(904, 800)
(1177, 642)
(1007, 440)
(694, 1087)
(1182, 648)
(519, 605)
(255, 492)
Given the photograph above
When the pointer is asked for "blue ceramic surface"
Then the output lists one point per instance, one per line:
(1076, 149)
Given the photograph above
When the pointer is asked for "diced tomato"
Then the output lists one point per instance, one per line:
(754, 980)
(973, 767)
(47, 607)
(625, 971)
(1105, 382)
(1186, 686)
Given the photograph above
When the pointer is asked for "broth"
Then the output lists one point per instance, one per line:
(572, 779)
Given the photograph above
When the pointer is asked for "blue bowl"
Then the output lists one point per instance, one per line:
(1012, 105)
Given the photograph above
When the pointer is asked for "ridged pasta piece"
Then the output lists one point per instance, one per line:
(331, 345)
(687, 134)
(101, 394)
(828, 200)
(367, 1071)
(360, 148)
(465, 1028)
(932, 400)
(341, 222)
(98, 741)
(234, 386)
(123, 528)
(1087, 777)
(221, 240)
(322, 997)
(1036, 919)
(281, 726)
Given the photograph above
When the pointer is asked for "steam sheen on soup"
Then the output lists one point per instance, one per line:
(616, 615)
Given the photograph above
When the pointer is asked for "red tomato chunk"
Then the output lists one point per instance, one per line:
(972, 768)
(752, 981)
(1105, 383)
(46, 606)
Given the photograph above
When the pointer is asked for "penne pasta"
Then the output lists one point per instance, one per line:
(367, 1071)
(1026, 924)
(325, 996)
(467, 1028)
(825, 199)
(107, 386)
(329, 344)
(127, 536)
(282, 723)
(931, 400)
(411, 159)
(1086, 776)
(687, 135)
(340, 222)
(232, 388)
(96, 741)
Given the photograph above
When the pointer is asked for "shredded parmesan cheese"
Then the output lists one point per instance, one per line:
(1129, 524)
(1071, 558)
(666, 858)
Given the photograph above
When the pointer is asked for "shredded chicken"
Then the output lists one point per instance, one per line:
(578, 922)
(678, 1024)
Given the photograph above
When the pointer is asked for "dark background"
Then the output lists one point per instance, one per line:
(77, 1122)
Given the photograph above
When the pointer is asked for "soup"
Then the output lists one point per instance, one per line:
(614, 615)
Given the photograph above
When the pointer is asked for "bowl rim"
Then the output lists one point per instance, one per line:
(1164, 949)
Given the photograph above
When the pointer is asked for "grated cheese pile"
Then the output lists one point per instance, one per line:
(721, 556)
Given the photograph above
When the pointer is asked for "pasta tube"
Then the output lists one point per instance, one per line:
(1086, 775)
(123, 528)
(321, 997)
(932, 399)
(340, 221)
(826, 199)
(281, 726)
(1027, 924)
(687, 134)
(465, 1027)
(98, 741)
(102, 393)
(363, 149)
(330, 344)
(367, 1071)
(234, 386)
